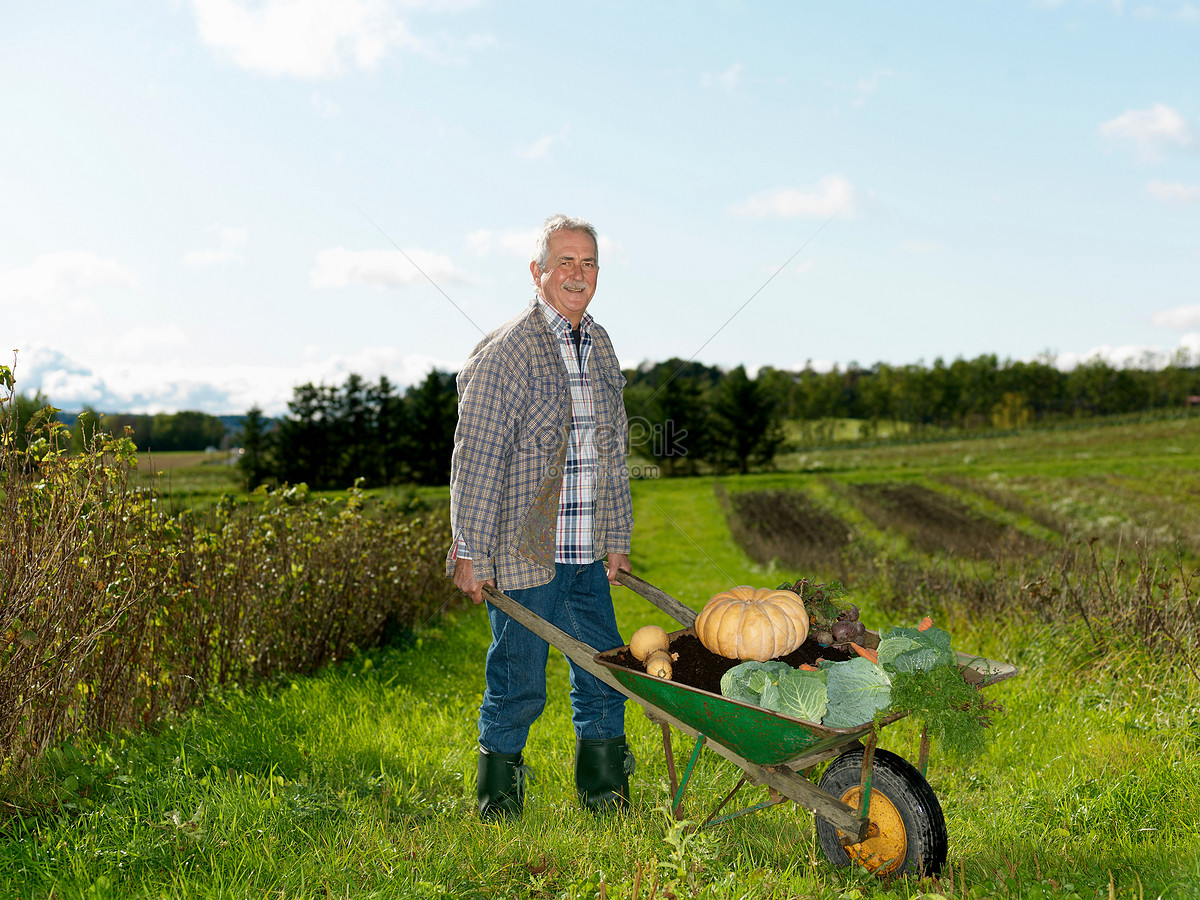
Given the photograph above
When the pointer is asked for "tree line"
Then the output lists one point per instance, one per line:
(684, 417)
(157, 432)
(333, 435)
(982, 392)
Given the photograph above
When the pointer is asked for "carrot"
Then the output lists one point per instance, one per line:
(865, 652)
(926, 624)
(807, 668)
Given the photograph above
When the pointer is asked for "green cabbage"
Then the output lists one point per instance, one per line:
(746, 681)
(857, 689)
(799, 694)
(909, 650)
(776, 686)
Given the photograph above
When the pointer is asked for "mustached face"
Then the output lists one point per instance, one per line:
(569, 279)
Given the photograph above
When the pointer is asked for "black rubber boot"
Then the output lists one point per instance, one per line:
(501, 785)
(602, 770)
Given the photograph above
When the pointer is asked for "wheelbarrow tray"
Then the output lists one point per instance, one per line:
(762, 736)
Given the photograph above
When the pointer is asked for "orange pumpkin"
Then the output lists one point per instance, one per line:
(753, 623)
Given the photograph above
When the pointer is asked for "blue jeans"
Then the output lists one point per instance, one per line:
(579, 601)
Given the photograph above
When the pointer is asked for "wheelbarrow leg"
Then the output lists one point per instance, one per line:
(666, 733)
(868, 763)
(701, 740)
(923, 758)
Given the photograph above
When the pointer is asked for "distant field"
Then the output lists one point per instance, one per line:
(180, 459)
(188, 477)
(1116, 481)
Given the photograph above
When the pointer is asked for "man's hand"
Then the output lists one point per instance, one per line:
(617, 562)
(464, 579)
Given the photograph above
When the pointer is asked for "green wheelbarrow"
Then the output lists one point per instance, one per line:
(872, 807)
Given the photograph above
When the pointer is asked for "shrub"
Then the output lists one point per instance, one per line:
(83, 555)
(114, 612)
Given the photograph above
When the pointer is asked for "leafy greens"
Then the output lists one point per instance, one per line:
(777, 686)
(910, 650)
(857, 690)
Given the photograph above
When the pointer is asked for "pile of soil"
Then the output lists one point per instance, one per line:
(700, 668)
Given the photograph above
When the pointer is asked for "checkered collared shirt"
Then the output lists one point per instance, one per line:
(573, 543)
(573, 533)
(515, 413)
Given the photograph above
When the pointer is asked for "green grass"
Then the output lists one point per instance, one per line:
(359, 781)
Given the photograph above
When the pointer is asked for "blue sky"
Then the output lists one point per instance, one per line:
(206, 202)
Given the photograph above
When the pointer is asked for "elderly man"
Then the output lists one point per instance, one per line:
(539, 496)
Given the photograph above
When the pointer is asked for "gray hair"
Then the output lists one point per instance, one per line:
(541, 251)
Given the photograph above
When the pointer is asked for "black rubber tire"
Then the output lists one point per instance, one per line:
(914, 800)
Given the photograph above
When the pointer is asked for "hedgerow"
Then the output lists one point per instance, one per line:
(115, 612)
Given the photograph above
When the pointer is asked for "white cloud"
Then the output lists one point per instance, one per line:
(1190, 343)
(829, 196)
(1149, 130)
(1141, 356)
(1181, 318)
(729, 80)
(540, 149)
(63, 274)
(340, 267)
(230, 243)
(303, 38)
(70, 383)
(1173, 191)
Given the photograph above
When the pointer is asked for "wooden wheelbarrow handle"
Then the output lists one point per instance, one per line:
(684, 615)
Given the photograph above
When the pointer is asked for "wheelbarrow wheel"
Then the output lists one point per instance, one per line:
(907, 831)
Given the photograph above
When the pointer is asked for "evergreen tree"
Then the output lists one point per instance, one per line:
(355, 430)
(254, 461)
(674, 432)
(745, 425)
(390, 460)
(432, 408)
(306, 446)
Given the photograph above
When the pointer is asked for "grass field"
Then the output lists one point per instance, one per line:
(188, 478)
(359, 781)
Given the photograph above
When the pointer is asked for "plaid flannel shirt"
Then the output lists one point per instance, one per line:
(510, 453)
(573, 543)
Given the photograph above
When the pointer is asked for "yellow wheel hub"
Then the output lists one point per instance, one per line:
(883, 852)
